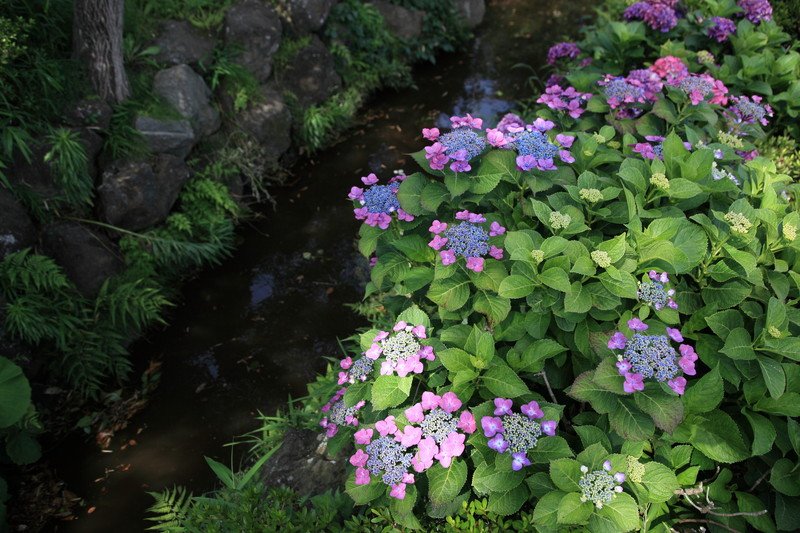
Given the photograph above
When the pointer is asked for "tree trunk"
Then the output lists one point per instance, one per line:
(97, 42)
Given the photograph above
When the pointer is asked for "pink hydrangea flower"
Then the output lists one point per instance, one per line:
(502, 406)
(430, 134)
(637, 325)
(678, 385)
(633, 383)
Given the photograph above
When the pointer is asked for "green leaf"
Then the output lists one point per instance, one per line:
(433, 195)
(22, 448)
(519, 245)
(739, 345)
(548, 449)
(784, 477)
(660, 482)
(629, 422)
(705, 394)
(450, 293)
(665, 409)
(390, 391)
(503, 382)
(15, 393)
(578, 299)
(509, 502)
(444, 484)
(763, 432)
(565, 474)
(546, 511)
(622, 513)
(368, 239)
(455, 359)
(619, 283)
(415, 316)
(571, 510)
(774, 376)
(363, 494)
(556, 279)
(487, 478)
(715, 434)
(495, 307)
(516, 286)
(410, 192)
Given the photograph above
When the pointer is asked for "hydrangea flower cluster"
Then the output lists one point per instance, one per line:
(535, 149)
(656, 291)
(600, 486)
(660, 15)
(359, 370)
(640, 86)
(652, 357)
(721, 28)
(434, 433)
(699, 86)
(672, 70)
(459, 146)
(379, 202)
(755, 10)
(516, 433)
(338, 414)
(749, 110)
(569, 100)
(720, 173)
(468, 239)
(561, 50)
(401, 350)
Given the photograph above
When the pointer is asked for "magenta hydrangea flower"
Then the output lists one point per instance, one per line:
(517, 433)
(755, 10)
(652, 149)
(467, 238)
(458, 147)
(560, 50)
(748, 110)
(721, 28)
(535, 149)
(701, 87)
(377, 203)
(388, 455)
(656, 291)
(672, 70)
(337, 414)
(359, 370)
(660, 15)
(568, 100)
(401, 350)
(652, 357)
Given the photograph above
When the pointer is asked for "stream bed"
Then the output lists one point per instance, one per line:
(255, 330)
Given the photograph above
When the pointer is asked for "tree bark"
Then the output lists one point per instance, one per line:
(97, 42)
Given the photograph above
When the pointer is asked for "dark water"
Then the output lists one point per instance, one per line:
(254, 331)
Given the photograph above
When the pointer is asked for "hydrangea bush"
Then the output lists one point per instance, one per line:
(591, 317)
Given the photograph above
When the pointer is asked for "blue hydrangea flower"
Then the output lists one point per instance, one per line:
(466, 139)
(652, 356)
(389, 458)
(600, 486)
(467, 239)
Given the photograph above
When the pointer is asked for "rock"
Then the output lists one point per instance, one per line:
(188, 93)
(179, 42)
(167, 136)
(470, 12)
(299, 465)
(268, 121)
(89, 113)
(34, 177)
(139, 194)
(16, 227)
(311, 75)
(403, 23)
(255, 29)
(94, 145)
(307, 16)
(87, 257)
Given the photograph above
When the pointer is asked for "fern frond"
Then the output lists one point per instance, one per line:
(170, 510)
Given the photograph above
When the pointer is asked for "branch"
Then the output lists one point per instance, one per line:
(707, 521)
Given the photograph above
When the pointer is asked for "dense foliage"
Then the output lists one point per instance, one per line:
(591, 312)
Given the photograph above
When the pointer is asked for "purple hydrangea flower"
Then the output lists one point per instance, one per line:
(560, 50)
(642, 86)
(338, 414)
(721, 28)
(660, 15)
(600, 486)
(748, 110)
(378, 202)
(401, 350)
(535, 149)
(569, 100)
(514, 432)
(755, 10)
(653, 357)
(468, 239)
(656, 292)
(459, 146)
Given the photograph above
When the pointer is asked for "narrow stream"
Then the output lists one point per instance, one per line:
(254, 331)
